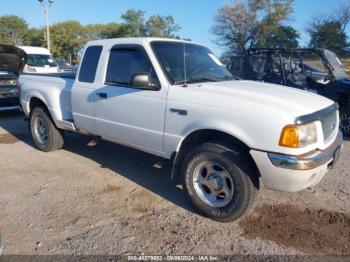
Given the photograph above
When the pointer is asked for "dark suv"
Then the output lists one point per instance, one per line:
(316, 70)
(12, 61)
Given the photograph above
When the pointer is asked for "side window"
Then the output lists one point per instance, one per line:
(89, 64)
(125, 63)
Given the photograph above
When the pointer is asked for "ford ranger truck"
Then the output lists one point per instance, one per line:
(174, 99)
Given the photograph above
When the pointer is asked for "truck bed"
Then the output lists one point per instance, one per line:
(53, 89)
(70, 75)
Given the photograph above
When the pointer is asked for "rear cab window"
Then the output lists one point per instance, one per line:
(89, 64)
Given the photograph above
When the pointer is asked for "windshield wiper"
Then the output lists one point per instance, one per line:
(192, 80)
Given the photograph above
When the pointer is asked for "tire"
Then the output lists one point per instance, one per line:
(345, 119)
(45, 134)
(229, 172)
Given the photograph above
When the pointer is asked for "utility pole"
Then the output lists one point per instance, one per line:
(46, 6)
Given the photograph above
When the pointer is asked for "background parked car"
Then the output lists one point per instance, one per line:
(12, 61)
(65, 66)
(39, 60)
(316, 70)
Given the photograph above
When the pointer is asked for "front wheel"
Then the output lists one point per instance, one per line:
(220, 181)
(345, 119)
(45, 134)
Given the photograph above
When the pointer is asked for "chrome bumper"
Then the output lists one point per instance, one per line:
(9, 108)
(312, 160)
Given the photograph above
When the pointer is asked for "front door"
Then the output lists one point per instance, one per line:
(132, 116)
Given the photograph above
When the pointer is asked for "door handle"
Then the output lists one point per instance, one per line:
(102, 95)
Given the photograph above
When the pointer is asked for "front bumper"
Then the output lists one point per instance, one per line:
(9, 103)
(295, 173)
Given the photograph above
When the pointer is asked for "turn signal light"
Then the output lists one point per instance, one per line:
(290, 137)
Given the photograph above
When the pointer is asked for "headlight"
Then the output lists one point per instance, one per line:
(298, 136)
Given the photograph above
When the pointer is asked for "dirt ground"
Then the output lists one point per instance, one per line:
(107, 199)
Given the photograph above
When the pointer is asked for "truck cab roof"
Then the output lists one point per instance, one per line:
(135, 40)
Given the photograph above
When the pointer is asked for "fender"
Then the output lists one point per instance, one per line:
(215, 125)
(173, 143)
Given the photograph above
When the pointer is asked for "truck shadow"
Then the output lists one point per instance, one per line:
(134, 165)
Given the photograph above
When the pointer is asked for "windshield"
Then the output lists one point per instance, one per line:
(41, 61)
(337, 66)
(63, 63)
(201, 63)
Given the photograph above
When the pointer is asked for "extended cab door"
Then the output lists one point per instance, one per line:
(82, 92)
(123, 113)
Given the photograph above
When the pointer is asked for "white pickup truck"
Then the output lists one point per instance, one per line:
(174, 99)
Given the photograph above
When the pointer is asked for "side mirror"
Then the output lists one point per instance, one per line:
(142, 81)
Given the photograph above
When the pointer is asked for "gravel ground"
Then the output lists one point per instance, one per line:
(107, 199)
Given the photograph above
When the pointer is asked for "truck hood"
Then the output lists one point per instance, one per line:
(249, 96)
(12, 59)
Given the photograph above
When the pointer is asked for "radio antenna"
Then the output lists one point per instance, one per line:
(184, 44)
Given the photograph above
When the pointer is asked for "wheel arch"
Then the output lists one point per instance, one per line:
(34, 101)
(38, 101)
(200, 136)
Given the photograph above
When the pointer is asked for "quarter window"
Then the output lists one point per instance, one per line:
(89, 64)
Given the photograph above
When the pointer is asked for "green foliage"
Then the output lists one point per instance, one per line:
(248, 24)
(69, 37)
(134, 20)
(329, 35)
(280, 37)
(329, 30)
(159, 26)
(99, 31)
(135, 24)
(12, 30)
(34, 37)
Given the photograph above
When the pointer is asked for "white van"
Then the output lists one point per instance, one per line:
(39, 60)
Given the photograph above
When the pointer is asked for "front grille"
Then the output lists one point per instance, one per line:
(329, 121)
(6, 89)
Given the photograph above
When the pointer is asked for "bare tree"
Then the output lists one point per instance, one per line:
(238, 27)
(328, 30)
(342, 15)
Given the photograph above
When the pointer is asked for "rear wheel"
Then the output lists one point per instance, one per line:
(45, 134)
(220, 181)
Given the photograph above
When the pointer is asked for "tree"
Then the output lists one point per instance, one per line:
(329, 30)
(342, 16)
(94, 31)
(12, 30)
(280, 37)
(161, 26)
(134, 22)
(239, 27)
(68, 38)
(114, 30)
(328, 35)
(34, 37)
